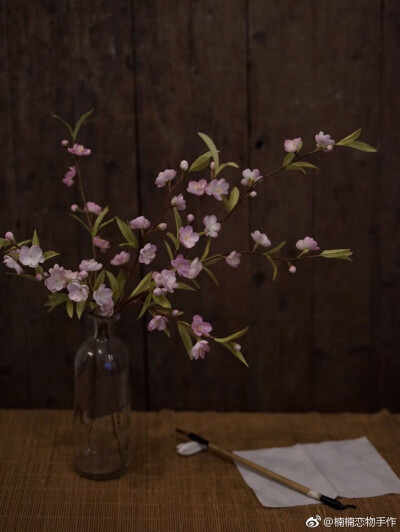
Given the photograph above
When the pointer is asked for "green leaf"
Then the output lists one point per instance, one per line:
(206, 249)
(201, 162)
(211, 146)
(186, 338)
(178, 221)
(98, 221)
(275, 249)
(99, 280)
(169, 250)
(233, 199)
(184, 286)
(162, 301)
(80, 221)
(174, 240)
(113, 283)
(22, 275)
(35, 239)
(79, 124)
(143, 285)
(121, 279)
(220, 168)
(25, 242)
(127, 233)
(231, 337)
(146, 305)
(166, 331)
(55, 299)
(70, 308)
(80, 307)
(349, 138)
(274, 267)
(288, 158)
(237, 353)
(104, 224)
(70, 131)
(210, 274)
(291, 167)
(362, 146)
(300, 166)
(344, 254)
(3, 242)
(50, 254)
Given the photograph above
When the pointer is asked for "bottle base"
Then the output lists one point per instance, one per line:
(98, 467)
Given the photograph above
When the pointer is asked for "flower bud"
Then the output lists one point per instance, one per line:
(190, 218)
(74, 207)
(292, 269)
(184, 165)
(212, 165)
(9, 236)
(253, 194)
(162, 226)
(65, 143)
(157, 292)
(238, 347)
(39, 277)
(82, 275)
(175, 312)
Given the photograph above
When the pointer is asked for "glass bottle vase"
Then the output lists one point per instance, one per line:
(101, 404)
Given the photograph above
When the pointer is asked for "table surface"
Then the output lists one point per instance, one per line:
(163, 491)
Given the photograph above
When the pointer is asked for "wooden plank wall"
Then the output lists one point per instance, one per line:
(250, 74)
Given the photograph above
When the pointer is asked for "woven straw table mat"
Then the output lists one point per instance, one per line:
(163, 491)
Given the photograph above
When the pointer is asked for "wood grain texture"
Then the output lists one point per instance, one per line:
(249, 74)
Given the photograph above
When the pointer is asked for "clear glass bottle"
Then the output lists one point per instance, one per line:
(102, 404)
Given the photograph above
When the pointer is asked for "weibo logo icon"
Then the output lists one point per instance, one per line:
(313, 522)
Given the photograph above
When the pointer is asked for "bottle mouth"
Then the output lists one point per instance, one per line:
(102, 319)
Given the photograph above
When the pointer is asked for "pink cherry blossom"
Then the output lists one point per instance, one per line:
(181, 265)
(103, 296)
(79, 150)
(93, 207)
(211, 226)
(74, 207)
(233, 259)
(260, 238)
(307, 243)
(164, 177)
(147, 254)
(71, 275)
(31, 257)
(293, 145)
(198, 188)
(179, 202)
(217, 188)
(188, 237)
(250, 177)
(324, 141)
(184, 165)
(194, 269)
(57, 280)
(200, 349)
(69, 178)
(83, 274)
(9, 236)
(165, 281)
(90, 265)
(292, 269)
(190, 218)
(77, 292)
(13, 264)
(120, 258)
(200, 327)
(102, 244)
(139, 223)
(158, 323)
(107, 310)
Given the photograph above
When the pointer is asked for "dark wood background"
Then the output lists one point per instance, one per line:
(250, 73)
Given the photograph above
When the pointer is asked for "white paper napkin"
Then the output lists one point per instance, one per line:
(349, 468)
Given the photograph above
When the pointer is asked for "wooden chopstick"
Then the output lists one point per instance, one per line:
(333, 503)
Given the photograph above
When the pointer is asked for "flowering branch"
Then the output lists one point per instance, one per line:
(96, 289)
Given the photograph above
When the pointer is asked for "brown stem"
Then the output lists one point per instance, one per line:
(83, 198)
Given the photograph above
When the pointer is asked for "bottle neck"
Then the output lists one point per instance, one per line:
(103, 327)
